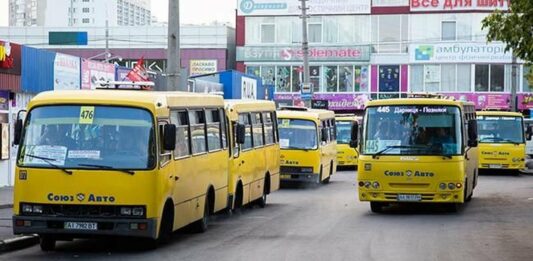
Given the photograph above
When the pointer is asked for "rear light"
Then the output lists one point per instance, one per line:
(459, 185)
(142, 226)
(19, 223)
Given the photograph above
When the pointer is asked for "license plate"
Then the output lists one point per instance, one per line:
(495, 166)
(409, 197)
(81, 225)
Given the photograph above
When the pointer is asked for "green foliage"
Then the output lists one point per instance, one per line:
(515, 28)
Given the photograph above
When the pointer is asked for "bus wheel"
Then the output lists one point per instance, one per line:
(262, 201)
(237, 205)
(469, 197)
(326, 180)
(47, 243)
(166, 227)
(200, 226)
(376, 207)
(320, 176)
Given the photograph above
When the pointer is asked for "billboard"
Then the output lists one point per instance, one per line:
(93, 71)
(66, 72)
(458, 5)
(329, 53)
(459, 53)
(292, 7)
(198, 67)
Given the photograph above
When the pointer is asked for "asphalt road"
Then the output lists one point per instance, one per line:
(329, 223)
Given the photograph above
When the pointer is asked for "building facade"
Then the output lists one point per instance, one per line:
(204, 49)
(363, 49)
(61, 13)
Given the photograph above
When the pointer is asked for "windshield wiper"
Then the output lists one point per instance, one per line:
(96, 166)
(49, 161)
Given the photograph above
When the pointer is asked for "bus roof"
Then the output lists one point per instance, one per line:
(347, 117)
(499, 113)
(417, 101)
(309, 114)
(234, 107)
(146, 99)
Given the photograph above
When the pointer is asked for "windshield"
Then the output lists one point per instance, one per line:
(500, 129)
(413, 130)
(344, 132)
(297, 134)
(88, 137)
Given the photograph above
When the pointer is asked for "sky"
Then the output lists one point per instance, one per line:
(191, 11)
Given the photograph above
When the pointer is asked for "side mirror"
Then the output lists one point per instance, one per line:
(240, 133)
(169, 137)
(472, 133)
(18, 132)
(529, 132)
(324, 135)
(355, 135)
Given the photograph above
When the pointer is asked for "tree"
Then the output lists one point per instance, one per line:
(514, 28)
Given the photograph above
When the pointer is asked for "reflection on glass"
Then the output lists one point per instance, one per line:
(77, 136)
(283, 79)
(330, 76)
(344, 129)
(297, 134)
(413, 130)
(496, 129)
(345, 78)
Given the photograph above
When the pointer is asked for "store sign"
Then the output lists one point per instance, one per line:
(292, 7)
(334, 101)
(248, 88)
(458, 5)
(10, 58)
(340, 53)
(93, 71)
(4, 100)
(484, 100)
(197, 67)
(66, 72)
(459, 53)
(525, 101)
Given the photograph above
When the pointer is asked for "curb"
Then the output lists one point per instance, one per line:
(4, 206)
(18, 243)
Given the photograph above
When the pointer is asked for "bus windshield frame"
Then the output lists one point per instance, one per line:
(88, 137)
(287, 123)
(491, 129)
(413, 130)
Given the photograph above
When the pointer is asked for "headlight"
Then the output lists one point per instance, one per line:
(516, 160)
(451, 186)
(125, 211)
(367, 184)
(27, 208)
(138, 211)
(375, 184)
(442, 186)
(38, 209)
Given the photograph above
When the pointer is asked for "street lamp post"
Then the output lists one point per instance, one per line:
(173, 48)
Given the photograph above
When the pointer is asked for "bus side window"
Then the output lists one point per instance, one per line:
(214, 140)
(180, 118)
(164, 155)
(197, 121)
(244, 118)
(257, 126)
(333, 130)
(269, 128)
(223, 128)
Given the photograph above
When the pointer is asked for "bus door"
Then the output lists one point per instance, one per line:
(244, 160)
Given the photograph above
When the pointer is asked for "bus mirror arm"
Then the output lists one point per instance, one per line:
(466, 153)
(18, 128)
(472, 133)
(354, 135)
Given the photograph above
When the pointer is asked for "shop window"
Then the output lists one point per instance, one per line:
(527, 85)
(389, 78)
(360, 78)
(267, 74)
(346, 79)
(440, 78)
(254, 70)
(490, 78)
(449, 31)
(330, 78)
(314, 72)
(297, 78)
(497, 77)
(482, 78)
(283, 77)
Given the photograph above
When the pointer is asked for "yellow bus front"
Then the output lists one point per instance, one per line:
(346, 155)
(300, 157)
(501, 141)
(415, 153)
(87, 170)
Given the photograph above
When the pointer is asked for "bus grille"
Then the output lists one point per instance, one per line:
(84, 211)
(394, 196)
(503, 166)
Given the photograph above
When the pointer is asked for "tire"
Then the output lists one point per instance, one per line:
(469, 197)
(453, 207)
(166, 227)
(237, 205)
(262, 201)
(376, 207)
(47, 243)
(201, 225)
(320, 176)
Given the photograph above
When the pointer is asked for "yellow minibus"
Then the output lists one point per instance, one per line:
(346, 155)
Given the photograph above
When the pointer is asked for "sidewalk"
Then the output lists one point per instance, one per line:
(8, 241)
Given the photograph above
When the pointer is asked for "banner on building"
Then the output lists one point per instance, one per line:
(93, 71)
(459, 53)
(330, 53)
(333, 101)
(458, 5)
(198, 67)
(500, 101)
(66, 72)
(10, 58)
(248, 88)
(292, 7)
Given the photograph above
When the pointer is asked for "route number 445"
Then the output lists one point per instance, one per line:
(384, 109)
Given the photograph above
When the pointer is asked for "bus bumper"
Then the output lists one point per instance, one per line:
(105, 227)
(422, 197)
(300, 177)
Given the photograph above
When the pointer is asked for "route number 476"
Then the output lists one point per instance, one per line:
(383, 109)
(86, 115)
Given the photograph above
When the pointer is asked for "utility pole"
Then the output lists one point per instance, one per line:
(173, 46)
(305, 48)
(107, 54)
(514, 80)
